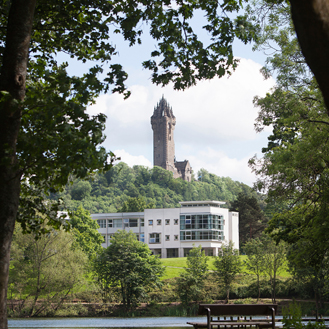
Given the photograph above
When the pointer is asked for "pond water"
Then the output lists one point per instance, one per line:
(93, 323)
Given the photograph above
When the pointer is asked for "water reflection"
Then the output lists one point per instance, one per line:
(94, 323)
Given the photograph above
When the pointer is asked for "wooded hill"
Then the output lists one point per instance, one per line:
(107, 192)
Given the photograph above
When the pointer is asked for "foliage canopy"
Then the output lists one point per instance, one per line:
(85, 231)
(294, 170)
(228, 265)
(128, 264)
(191, 282)
(44, 272)
(134, 189)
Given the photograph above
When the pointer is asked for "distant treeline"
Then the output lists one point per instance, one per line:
(107, 192)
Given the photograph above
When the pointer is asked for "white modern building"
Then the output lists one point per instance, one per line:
(172, 232)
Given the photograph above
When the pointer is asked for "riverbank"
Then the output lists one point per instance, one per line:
(82, 309)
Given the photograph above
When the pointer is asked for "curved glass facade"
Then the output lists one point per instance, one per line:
(201, 227)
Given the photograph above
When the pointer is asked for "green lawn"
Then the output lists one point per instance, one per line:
(174, 266)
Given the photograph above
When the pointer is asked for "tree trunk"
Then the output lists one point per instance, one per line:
(227, 294)
(316, 305)
(311, 20)
(12, 86)
(258, 285)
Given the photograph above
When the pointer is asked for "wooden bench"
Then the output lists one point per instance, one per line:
(236, 316)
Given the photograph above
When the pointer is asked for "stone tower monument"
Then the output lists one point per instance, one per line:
(163, 124)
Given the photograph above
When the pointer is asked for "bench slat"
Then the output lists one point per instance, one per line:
(241, 323)
(238, 310)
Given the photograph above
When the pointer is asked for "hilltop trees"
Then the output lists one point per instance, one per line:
(135, 204)
(124, 189)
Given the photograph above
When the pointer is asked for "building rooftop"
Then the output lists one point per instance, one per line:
(117, 215)
(206, 203)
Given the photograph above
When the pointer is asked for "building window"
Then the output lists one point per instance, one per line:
(172, 252)
(141, 237)
(110, 223)
(167, 221)
(117, 223)
(101, 223)
(175, 237)
(133, 222)
(201, 221)
(154, 238)
(186, 251)
(141, 220)
(158, 221)
(201, 235)
(130, 222)
(175, 221)
(167, 237)
(150, 221)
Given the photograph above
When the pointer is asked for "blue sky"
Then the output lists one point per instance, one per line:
(214, 120)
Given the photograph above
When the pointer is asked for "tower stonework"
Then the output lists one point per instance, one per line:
(163, 124)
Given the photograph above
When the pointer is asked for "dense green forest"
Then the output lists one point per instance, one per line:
(107, 192)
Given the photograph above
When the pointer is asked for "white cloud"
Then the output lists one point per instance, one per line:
(218, 163)
(216, 117)
(132, 160)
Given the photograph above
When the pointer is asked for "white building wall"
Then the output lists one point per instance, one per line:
(234, 225)
(168, 232)
(160, 228)
(117, 218)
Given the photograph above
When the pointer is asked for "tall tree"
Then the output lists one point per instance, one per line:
(252, 220)
(294, 170)
(311, 22)
(128, 263)
(45, 271)
(255, 262)
(274, 260)
(228, 265)
(85, 231)
(306, 270)
(191, 282)
(82, 30)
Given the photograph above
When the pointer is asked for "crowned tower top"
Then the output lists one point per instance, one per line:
(163, 124)
(163, 109)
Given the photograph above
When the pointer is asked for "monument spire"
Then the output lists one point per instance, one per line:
(163, 124)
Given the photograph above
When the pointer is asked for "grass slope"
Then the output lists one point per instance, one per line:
(175, 266)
